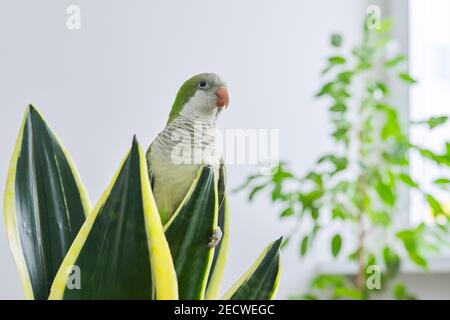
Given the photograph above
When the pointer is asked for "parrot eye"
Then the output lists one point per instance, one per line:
(203, 84)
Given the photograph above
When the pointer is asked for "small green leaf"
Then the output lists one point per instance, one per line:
(394, 61)
(285, 242)
(326, 89)
(336, 243)
(336, 40)
(338, 212)
(277, 193)
(309, 297)
(434, 204)
(335, 60)
(304, 246)
(281, 174)
(382, 218)
(433, 122)
(344, 292)
(442, 181)
(338, 107)
(436, 121)
(255, 190)
(315, 213)
(418, 259)
(382, 87)
(406, 179)
(353, 256)
(391, 260)
(341, 134)
(386, 194)
(405, 77)
(345, 76)
(289, 211)
(401, 293)
(324, 281)
(409, 238)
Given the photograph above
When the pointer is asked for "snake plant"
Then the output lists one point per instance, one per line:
(120, 247)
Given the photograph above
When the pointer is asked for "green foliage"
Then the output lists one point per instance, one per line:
(336, 244)
(358, 184)
(336, 40)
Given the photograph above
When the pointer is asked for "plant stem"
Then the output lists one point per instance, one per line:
(362, 187)
(361, 238)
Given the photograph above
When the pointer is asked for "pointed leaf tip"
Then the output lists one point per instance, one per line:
(31, 107)
(260, 282)
(135, 144)
(279, 241)
(45, 203)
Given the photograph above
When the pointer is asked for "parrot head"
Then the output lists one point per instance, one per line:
(204, 95)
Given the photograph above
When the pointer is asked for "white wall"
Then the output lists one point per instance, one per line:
(118, 75)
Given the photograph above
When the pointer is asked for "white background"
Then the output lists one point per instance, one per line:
(119, 74)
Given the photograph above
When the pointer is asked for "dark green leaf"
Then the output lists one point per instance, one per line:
(336, 40)
(188, 234)
(45, 204)
(112, 249)
(221, 250)
(261, 280)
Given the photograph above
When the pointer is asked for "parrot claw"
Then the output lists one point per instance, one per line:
(215, 238)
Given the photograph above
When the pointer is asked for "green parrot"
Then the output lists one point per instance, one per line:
(187, 142)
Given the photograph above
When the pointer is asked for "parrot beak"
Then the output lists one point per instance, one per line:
(223, 98)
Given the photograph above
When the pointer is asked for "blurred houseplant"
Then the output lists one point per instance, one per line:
(358, 184)
(119, 250)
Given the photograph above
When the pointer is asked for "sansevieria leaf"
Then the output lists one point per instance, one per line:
(45, 204)
(188, 233)
(120, 251)
(260, 282)
(221, 251)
